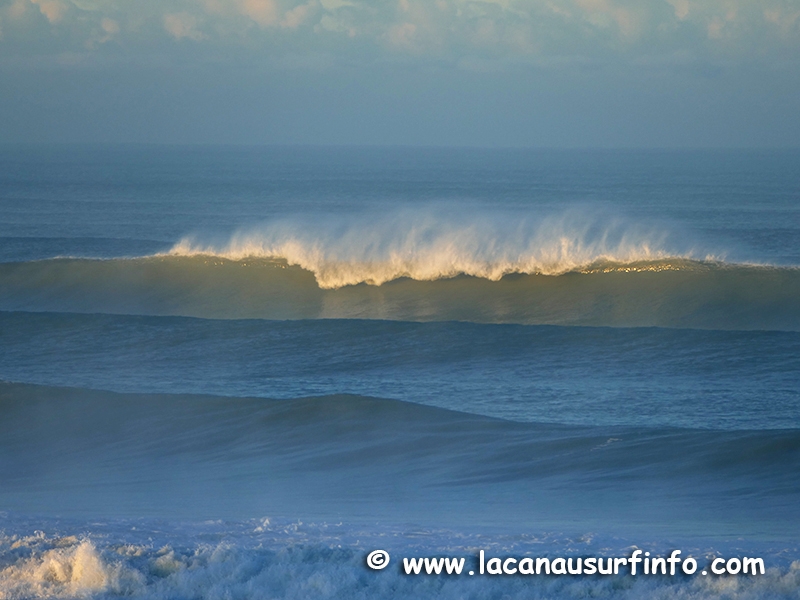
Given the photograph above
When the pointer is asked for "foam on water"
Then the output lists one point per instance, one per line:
(272, 559)
(60, 568)
(440, 243)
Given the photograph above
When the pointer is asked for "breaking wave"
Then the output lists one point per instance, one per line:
(429, 245)
(570, 269)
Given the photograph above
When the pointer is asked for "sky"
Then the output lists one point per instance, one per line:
(494, 73)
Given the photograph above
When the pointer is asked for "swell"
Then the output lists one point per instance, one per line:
(86, 447)
(665, 292)
(575, 375)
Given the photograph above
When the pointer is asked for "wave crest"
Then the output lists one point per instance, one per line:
(440, 244)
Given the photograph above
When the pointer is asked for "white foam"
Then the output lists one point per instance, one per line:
(437, 243)
(69, 568)
(299, 561)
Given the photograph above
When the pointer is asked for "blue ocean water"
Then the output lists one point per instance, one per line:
(233, 372)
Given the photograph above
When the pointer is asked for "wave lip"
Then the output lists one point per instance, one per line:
(431, 246)
(568, 269)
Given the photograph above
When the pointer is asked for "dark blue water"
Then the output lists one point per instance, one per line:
(271, 361)
(113, 201)
(588, 376)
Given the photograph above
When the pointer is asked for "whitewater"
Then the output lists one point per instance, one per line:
(442, 242)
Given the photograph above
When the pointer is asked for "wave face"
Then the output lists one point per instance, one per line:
(364, 458)
(440, 263)
(664, 293)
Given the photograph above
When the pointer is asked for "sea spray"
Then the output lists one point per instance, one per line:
(437, 243)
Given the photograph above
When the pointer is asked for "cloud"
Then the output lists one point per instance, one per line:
(337, 25)
(332, 5)
(263, 12)
(715, 28)
(182, 25)
(604, 14)
(17, 9)
(681, 8)
(54, 10)
(110, 28)
(455, 32)
(298, 15)
(106, 31)
(786, 21)
(402, 34)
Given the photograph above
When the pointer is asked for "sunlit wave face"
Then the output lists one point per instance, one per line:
(439, 243)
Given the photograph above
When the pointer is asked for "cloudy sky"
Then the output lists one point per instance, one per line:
(544, 73)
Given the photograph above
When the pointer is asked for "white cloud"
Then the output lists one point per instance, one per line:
(332, 5)
(263, 12)
(298, 15)
(17, 9)
(497, 31)
(402, 34)
(182, 25)
(604, 14)
(681, 8)
(715, 28)
(110, 28)
(94, 5)
(786, 21)
(335, 24)
(54, 10)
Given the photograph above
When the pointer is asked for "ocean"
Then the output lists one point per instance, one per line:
(234, 372)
